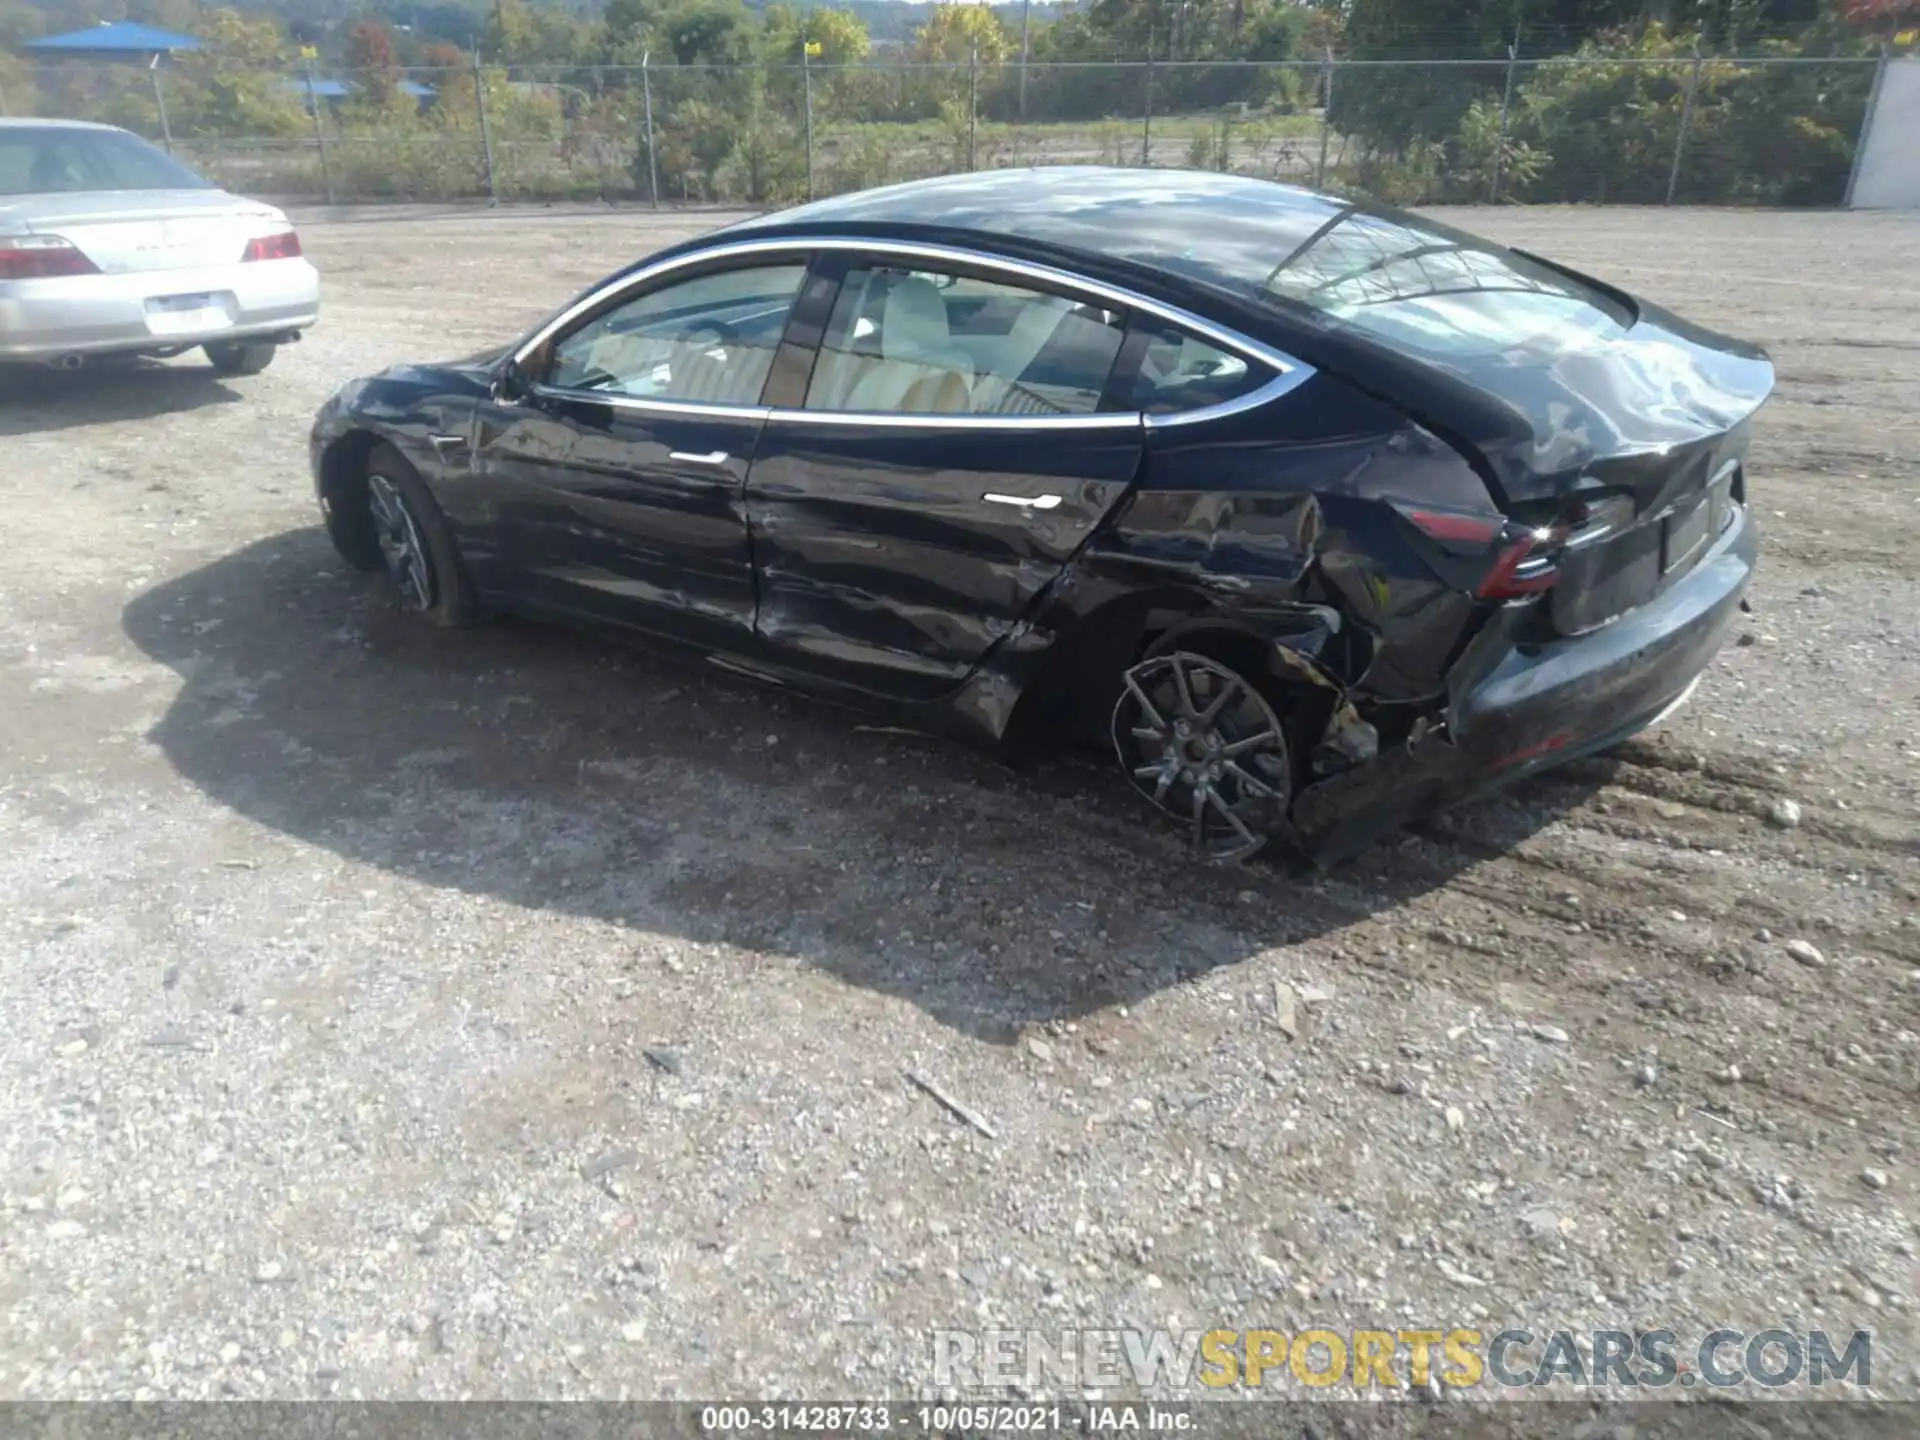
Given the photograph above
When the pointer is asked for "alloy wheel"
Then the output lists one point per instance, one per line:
(1202, 743)
(400, 543)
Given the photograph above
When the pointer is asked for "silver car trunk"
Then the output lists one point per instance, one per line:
(123, 232)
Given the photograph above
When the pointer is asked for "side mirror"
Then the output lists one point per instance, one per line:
(511, 382)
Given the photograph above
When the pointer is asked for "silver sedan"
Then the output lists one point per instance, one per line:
(110, 247)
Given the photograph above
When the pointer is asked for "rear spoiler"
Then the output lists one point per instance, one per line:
(1613, 292)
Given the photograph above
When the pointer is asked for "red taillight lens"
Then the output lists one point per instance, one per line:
(284, 246)
(1455, 526)
(1522, 556)
(1522, 568)
(39, 257)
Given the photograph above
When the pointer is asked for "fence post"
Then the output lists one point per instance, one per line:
(160, 101)
(1026, 7)
(1506, 109)
(1146, 132)
(646, 101)
(806, 73)
(1326, 118)
(1866, 126)
(973, 107)
(1686, 124)
(319, 131)
(486, 130)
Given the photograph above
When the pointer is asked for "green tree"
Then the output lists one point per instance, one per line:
(1606, 123)
(841, 37)
(953, 33)
(628, 23)
(236, 84)
(708, 32)
(509, 34)
(374, 67)
(19, 23)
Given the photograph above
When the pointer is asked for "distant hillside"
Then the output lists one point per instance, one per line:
(889, 22)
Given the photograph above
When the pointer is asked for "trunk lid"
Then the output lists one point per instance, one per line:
(1649, 412)
(123, 232)
(1631, 451)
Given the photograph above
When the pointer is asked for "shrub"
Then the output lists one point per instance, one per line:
(1483, 157)
(1603, 130)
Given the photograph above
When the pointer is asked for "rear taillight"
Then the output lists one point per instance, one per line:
(1454, 527)
(284, 246)
(1521, 557)
(40, 257)
(1525, 566)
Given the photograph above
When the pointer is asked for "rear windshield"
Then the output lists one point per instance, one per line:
(56, 160)
(1437, 292)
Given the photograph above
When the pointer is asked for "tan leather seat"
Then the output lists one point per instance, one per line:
(919, 370)
(941, 393)
(711, 373)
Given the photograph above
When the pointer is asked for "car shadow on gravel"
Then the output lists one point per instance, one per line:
(35, 400)
(567, 773)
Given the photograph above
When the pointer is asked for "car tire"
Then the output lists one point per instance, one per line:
(1204, 742)
(416, 544)
(241, 357)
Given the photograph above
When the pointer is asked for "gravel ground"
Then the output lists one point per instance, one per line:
(404, 1014)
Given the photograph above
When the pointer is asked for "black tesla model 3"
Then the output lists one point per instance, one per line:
(1319, 515)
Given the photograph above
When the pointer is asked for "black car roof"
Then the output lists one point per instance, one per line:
(1230, 231)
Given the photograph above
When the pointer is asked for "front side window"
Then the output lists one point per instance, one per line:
(1179, 371)
(705, 341)
(922, 342)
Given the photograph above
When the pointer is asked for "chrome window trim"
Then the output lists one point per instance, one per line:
(696, 410)
(1285, 381)
(689, 409)
(1290, 372)
(938, 420)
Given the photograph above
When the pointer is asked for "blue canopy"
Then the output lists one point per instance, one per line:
(123, 38)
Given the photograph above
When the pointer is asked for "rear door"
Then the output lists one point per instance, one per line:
(951, 451)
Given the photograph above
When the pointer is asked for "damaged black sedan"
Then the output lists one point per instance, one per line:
(1316, 515)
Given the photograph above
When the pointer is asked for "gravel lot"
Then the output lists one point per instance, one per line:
(406, 1014)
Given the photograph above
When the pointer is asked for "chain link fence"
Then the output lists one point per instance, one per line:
(1690, 129)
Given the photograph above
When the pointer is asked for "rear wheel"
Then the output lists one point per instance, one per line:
(241, 357)
(416, 546)
(1203, 743)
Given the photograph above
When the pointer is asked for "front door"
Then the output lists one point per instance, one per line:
(952, 454)
(617, 479)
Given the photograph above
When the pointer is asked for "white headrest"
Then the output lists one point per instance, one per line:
(914, 320)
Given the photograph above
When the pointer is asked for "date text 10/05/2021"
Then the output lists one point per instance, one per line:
(850, 1419)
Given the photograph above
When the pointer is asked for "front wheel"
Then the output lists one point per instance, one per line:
(242, 357)
(416, 546)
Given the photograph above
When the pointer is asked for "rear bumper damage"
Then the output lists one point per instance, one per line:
(1515, 709)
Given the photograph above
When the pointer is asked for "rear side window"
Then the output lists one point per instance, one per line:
(59, 160)
(926, 342)
(1179, 371)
